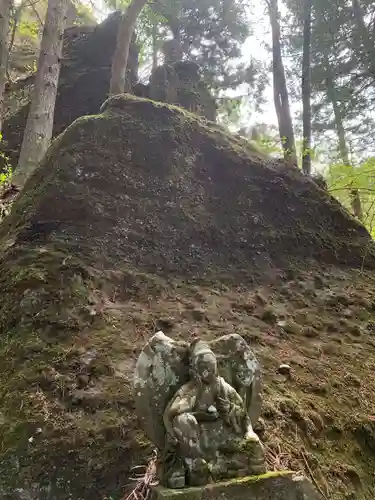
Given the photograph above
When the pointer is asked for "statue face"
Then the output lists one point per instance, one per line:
(206, 367)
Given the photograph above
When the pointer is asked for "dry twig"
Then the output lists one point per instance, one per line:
(276, 460)
(312, 476)
(145, 479)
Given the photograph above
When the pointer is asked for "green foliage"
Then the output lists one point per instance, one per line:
(85, 14)
(6, 170)
(6, 174)
(117, 4)
(5, 180)
(210, 32)
(342, 179)
(152, 28)
(269, 145)
(28, 29)
(341, 70)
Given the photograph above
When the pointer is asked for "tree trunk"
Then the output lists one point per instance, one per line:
(38, 131)
(124, 36)
(280, 90)
(16, 19)
(355, 199)
(367, 45)
(5, 8)
(154, 46)
(306, 90)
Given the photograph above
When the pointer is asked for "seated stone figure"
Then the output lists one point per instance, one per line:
(206, 419)
(207, 429)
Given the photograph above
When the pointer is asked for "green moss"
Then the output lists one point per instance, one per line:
(223, 484)
(260, 477)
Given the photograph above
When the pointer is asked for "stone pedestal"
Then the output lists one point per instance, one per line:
(270, 486)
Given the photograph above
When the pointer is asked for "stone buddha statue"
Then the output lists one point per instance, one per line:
(207, 432)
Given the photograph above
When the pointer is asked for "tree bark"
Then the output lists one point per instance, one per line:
(5, 8)
(124, 36)
(280, 90)
(154, 46)
(306, 90)
(38, 131)
(16, 19)
(367, 44)
(355, 199)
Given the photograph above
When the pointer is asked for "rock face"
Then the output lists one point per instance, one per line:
(277, 486)
(130, 211)
(188, 201)
(180, 83)
(83, 85)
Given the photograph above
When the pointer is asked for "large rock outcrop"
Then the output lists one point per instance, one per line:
(175, 196)
(145, 217)
(83, 85)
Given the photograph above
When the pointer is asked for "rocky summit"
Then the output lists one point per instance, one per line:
(146, 217)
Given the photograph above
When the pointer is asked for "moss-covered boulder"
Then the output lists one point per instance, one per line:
(140, 217)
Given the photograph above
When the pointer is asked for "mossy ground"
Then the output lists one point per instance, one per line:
(112, 240)
(69, 387)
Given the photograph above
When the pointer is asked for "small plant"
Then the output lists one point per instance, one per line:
(5, 184)
(6, 173)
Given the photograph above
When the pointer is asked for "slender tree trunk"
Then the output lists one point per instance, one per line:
(355, 198)
(5, 8)
(365, 40)
(154, 46)
(16, 19)
(280, 90)
(124, 36)
(38, 131)
(306, 90)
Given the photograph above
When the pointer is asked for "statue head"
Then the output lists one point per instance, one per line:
(203, 362)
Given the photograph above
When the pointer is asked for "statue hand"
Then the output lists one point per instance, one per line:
(171, 440)
(232, 413)
(224, 406)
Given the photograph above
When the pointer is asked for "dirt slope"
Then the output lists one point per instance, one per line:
(145, 217)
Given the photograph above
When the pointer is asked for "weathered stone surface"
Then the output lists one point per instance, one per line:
(163, 367)
(240, 368)
(185, 199)
(195, 403)
(271, 486)
(180, 83)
